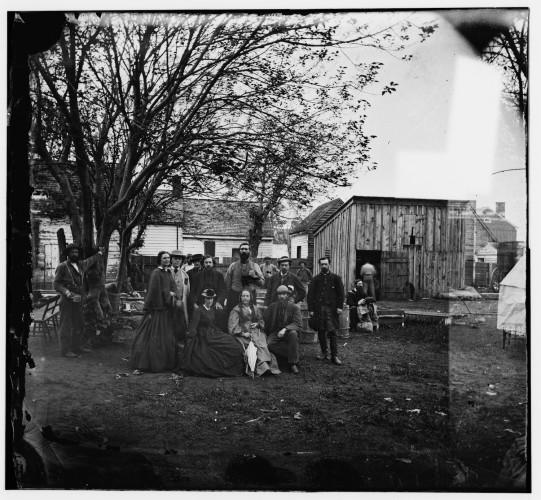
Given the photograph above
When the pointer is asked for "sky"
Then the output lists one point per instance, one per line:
(444, 132)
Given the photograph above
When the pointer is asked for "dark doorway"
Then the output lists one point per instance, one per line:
(374, 257)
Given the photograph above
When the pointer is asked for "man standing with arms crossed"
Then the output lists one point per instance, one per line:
(325, 302)
(241, 274)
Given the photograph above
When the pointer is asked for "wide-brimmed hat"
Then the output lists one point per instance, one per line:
(72, 246)
(283, 289)
(177, 253)
(208, 293)
(197, 257)
(285, 258)
(267, 257)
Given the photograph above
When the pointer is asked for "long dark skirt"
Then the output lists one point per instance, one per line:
(154, 347)
(212, 353)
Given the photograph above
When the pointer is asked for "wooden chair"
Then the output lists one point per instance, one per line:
(46, 318)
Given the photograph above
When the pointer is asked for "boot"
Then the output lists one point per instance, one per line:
(336, 361)
(322, 337)
(324, 356)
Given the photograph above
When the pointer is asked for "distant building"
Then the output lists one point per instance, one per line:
(488, 234)
(302, 234)
(208, 227)
(487, 226)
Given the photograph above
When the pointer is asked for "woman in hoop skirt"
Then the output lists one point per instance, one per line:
(209, 352)
(154, 347)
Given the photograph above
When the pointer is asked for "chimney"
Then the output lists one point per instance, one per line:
(500, 208)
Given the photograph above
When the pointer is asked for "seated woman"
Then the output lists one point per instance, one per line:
(246, 323)
(210, 352)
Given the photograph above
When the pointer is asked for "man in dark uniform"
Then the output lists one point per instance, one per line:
(197, 260)
(68, 281)
(325, 302)
(285, 278)
(283, 322)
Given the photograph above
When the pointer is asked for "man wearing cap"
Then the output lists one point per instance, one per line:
(283, 322)
(68, 281)
(269, 270)
(180, 313)
(284, 277)
(241, 274)
(353, 297)
(207, 278)
(325, 301)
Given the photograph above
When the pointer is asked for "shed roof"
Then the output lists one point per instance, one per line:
(312, 221)
(379, 200)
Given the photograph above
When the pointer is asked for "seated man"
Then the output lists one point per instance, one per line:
(356, 294)
(283, 322)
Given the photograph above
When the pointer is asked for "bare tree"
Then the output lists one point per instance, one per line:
(127, 100)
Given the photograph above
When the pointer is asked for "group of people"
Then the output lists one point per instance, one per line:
(201, 322)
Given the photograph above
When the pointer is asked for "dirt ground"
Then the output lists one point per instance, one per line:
(424, 407)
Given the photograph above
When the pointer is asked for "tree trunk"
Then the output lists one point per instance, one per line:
(122, 271)
(255, 235)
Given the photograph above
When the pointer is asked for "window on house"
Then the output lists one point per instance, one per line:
(299, 252)
(235, 253)
(210, 248)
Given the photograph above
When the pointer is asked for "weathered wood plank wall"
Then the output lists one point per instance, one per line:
(439, 228)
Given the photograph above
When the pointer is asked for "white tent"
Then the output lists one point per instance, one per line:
(512, 301)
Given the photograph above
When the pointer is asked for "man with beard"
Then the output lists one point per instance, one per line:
(207, 278)
(283, 323)
(284, 277)
(241, 274)
(325, 302)
(68, 281)
(180, 313)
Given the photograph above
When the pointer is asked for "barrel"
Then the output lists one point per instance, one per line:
(308, 336)
(343, 331)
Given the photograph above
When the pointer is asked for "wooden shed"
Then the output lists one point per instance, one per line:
(410, 241)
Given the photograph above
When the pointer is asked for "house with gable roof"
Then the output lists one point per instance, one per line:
(302, 234)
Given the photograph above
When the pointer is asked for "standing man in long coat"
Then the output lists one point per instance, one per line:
(325, 302)
(68, 282)
(180, 314)
(284, 277)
